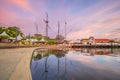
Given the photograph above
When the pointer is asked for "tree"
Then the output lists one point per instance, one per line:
(111, 41)
(2, 29)
(59, 37)
(39, 38)
(13, 31)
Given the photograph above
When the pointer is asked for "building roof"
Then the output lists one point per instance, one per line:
(101, 40)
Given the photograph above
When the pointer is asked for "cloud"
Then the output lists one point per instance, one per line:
(99, 19)
(7, 17)
(23, 4)
(116, 32)
(99, 23)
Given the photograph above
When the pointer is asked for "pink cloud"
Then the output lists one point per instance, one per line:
(23, 4)
(7, 17)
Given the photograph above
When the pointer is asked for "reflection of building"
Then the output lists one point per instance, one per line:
(89, 52)
(102, 52)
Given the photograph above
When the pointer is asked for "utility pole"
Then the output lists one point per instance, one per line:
(46, 22)
(65, 29)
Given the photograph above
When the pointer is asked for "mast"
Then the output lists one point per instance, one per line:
(65, 29)
(36, 28)
(58, 28)
(46, 22)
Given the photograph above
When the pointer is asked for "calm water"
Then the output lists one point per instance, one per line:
(76, 64)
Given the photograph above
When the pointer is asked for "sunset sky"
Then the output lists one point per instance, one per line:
(98, 18)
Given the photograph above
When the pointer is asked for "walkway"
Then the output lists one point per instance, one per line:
(15, 63)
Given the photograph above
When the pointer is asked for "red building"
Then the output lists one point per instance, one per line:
(101, 40)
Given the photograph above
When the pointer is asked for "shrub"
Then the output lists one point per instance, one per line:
(4, 37)
(51, 41)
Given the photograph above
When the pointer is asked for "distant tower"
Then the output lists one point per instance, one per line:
(46, 22)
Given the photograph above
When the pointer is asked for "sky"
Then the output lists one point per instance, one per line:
(85, 18)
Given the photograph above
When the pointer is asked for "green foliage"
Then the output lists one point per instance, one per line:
(111, 41)
(38, 56)
(21, 34)
(39, 37)
(4, 36)
(2, 29)
(13, 31)
(59, 37)
(33, 37)
(28, 37)
(51, 41)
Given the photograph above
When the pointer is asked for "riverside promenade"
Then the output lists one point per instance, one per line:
(15, 63)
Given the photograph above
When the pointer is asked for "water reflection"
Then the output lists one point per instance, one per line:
(38, 54)
(76, 64)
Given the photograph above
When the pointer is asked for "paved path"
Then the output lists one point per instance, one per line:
(15, 63)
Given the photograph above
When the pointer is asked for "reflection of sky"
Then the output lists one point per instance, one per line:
(88, 17)
(101, 62)
(78, 66)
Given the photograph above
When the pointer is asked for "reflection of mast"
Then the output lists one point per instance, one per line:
(58, 61)
(45, 76)
(65, 67)
(91, 52)
(46, 64)
(46, 70)
(65, 64)
(58, 64)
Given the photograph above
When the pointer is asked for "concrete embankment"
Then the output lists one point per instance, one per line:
(15, 63)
